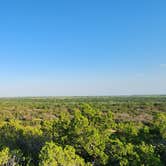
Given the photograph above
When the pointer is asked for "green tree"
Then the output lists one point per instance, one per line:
(160, 124)
(4, 156)
(54, 155)
(147, 155)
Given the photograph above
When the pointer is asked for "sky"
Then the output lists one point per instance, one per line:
(82, 48)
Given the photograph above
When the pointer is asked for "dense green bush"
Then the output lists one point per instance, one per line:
(83, 131)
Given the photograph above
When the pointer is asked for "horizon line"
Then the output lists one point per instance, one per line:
(73, 96)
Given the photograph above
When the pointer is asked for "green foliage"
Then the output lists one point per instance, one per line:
(147, 155)
(160, 123)
(54, 155)
(83, 131)
(14, 158)
(128, 154)
(4, 156)
(27, 139)
(121, 153)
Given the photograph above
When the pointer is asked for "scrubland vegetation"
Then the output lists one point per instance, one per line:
(83, 131)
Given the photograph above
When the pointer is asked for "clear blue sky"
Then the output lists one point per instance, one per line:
(90, 47)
